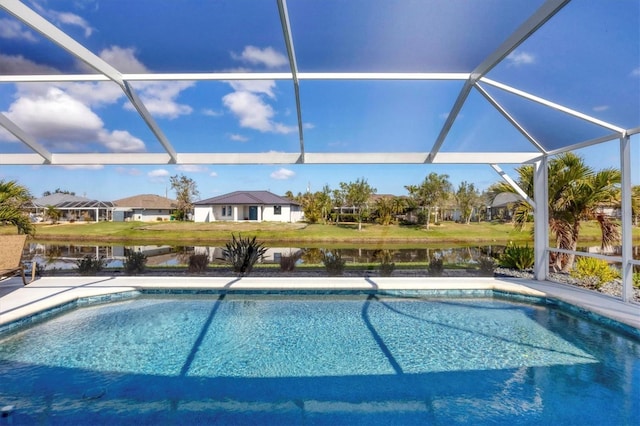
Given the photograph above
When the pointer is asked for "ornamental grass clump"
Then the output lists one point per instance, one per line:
(242, 253)
(288, 262)
(594, 272)
(135, 263)
(90, 265)
(436, 265)
(486, 264)
(333, 262)
(198, 263)
(517, 257)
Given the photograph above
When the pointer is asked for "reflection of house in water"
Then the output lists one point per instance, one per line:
(272, 255)
(156, 255)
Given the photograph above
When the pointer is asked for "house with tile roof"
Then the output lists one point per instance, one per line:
(258, 206)
(144, 208)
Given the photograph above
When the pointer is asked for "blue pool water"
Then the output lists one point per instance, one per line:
(359, 359)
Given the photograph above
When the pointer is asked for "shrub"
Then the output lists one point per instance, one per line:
(243, 253)
(386, 265)
(333, 262)
(198, 263)
(594, 271)
(135, 263)
(486, 264)
(436, 265)
(636, 279)
(89, 265)
(517, 257)
(288, 263)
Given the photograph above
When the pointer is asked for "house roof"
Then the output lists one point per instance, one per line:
(147, 201)
(68, 201)
(246, 197)
(505, 198)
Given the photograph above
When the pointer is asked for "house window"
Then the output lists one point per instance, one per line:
(277, 209)
(224, 210)
(229, 211)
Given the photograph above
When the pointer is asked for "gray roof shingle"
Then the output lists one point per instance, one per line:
(246, 197)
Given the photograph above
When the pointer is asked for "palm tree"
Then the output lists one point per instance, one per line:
(12, 197)
(53, 214)
(575, 193)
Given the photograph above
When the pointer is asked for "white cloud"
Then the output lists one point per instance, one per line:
(94, 94)
(68, 18)
(254, 113)
(238, 138)
(55, 117)
(158, 97)
(636, 72)
(14, 30)
(520, 58)
(191, 168)
(158, 175)
(600, 108)
(211, 113)
(268, 57)
(213, 174)
(254, 86)
(247, 102)
(123, 59)
(65, 18)
(129, 171)
(282, 174)
(121, 141)
(18, 64)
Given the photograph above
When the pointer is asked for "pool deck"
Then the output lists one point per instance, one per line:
(18, 301)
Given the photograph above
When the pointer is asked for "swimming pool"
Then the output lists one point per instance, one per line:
(319, 359)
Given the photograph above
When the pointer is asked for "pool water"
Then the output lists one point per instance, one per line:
(359, 359)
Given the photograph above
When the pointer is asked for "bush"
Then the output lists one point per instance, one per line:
(636, 279)
(436, 265)
(243, 253)
(594, 271)
(333, 263)
(386, 265)
(486, 264)
(288, 263)
(135, 263)
(198, 263)
(517, 257)
(90, 265)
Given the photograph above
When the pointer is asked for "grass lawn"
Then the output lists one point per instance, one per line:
(181, 232)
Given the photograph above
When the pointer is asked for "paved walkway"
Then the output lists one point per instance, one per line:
(18, 301)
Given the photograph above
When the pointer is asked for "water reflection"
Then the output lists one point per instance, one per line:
(65, 256)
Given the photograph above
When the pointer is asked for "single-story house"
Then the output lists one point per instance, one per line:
(72, 208)
(143, 208)
(255, 206)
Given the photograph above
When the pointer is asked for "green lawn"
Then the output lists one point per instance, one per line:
(181, 232)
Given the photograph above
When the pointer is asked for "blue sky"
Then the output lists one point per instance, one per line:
(586, 58)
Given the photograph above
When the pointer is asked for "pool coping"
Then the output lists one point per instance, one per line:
(19, 304)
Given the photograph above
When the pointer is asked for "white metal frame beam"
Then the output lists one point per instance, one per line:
(288, 41)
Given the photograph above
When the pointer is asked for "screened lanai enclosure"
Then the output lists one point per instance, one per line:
(492, 82)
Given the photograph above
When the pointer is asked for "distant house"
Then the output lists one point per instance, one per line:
(255, 206)
(72, 208)
(143, 208)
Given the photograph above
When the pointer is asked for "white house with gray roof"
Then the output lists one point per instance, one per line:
(257, 206)
(144, 208)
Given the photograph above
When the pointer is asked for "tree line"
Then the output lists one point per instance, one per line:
(423, 204)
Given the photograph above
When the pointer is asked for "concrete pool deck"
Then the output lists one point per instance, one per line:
(18, 301)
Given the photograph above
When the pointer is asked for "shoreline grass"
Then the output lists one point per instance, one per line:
(345, 234)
